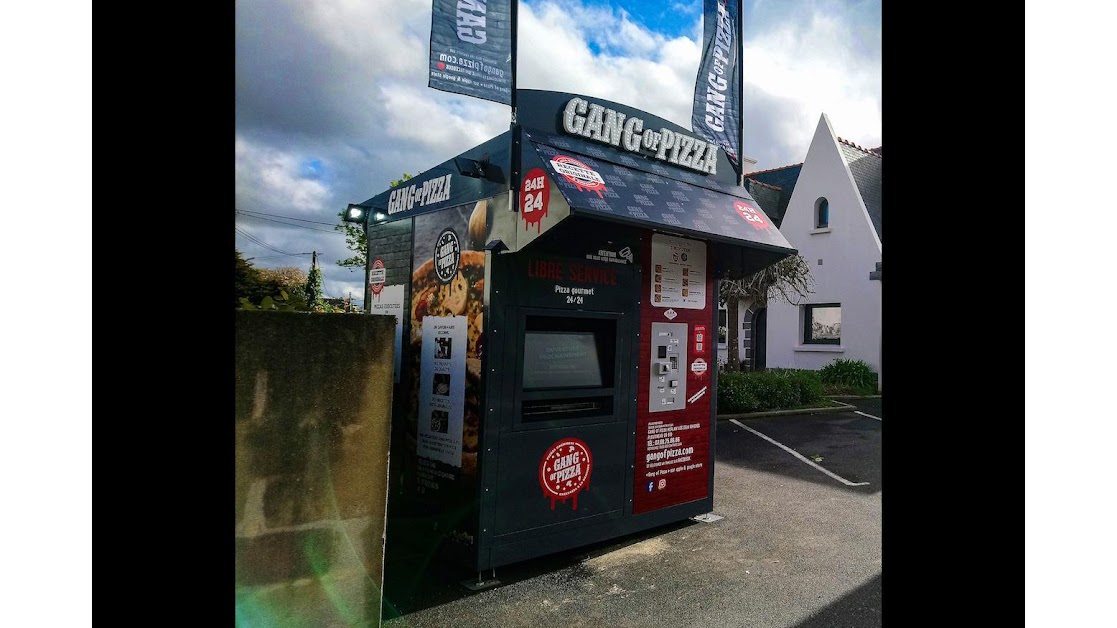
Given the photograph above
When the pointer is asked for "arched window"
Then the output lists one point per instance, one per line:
(821, 213)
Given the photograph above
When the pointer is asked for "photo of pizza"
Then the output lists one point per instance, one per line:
(462, 295)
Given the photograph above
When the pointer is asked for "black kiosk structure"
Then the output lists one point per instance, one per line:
(556, 293)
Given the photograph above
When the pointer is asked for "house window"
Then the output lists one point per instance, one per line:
(723, 325)
(822, 213)
(822, 324)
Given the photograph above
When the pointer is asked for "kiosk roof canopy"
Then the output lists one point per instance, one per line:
(598, 188)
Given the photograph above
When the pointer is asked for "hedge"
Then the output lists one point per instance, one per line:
(773, 389)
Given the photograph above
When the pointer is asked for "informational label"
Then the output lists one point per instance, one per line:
(700, 339)
(535, 198)
(442, 388)
(623, 256)
(678, 277)
(698, 366)
(376, 275)
(564, 470)
(389, 302)
(674, 455)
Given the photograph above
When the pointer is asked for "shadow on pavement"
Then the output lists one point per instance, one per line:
(860, 607)
(418, 577)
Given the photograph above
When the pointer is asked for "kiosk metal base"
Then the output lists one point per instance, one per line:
(707, 518)
(481, 584)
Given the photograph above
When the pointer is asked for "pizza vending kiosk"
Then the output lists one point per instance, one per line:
(556, 296)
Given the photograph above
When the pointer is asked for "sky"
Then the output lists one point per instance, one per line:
(332, 101)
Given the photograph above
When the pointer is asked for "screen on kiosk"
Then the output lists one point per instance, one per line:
(561, 359)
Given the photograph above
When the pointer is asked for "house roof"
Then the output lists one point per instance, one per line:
(772, 189)
(768, 196)
(866, 166)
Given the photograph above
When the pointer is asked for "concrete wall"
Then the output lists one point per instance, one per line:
(849, 251)
(313, 396)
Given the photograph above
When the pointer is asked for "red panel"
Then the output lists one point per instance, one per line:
(687, 478)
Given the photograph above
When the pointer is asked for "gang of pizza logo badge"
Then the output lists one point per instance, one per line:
(582, 176)
(750, 214)
(565, 471)
(447, 255)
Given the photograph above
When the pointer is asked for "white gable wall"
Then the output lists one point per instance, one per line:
(849, 252)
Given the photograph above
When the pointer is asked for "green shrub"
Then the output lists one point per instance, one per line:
(735, 394)
(808, 384)
(853, 373)
(848, 372)
(774, 389)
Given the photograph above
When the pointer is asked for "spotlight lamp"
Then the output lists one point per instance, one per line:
(356, 213)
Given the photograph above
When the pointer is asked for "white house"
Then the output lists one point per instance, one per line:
(833, 218)
(829, 208)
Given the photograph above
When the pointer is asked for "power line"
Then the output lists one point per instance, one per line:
(288, 224)
(317, 222)
(275, 256)
(253, 238)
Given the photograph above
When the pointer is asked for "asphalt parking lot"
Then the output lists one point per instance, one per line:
(799, 546)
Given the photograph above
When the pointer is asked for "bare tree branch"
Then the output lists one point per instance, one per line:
(788, 279)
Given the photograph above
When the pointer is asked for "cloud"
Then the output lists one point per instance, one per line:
(633, 60)
(332, 102)
(802, 68)
(268, 176)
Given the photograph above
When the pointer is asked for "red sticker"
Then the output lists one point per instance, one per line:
(750, 213)
(565, 470)
(582, 176)
(535, 198)
(700, 339)
(376, 276)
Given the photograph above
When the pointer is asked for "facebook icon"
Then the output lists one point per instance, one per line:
(651, 486)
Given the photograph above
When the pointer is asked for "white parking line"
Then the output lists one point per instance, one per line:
(868, 415)
(798, 455)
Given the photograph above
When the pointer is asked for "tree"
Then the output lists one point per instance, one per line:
(313, 287)
(789, 279)
(287, 278)
(247, 281)
(355, 238)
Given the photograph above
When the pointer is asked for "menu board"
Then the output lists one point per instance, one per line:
(678, 277)
(442, 389)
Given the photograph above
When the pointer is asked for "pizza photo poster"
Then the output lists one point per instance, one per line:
(446, 344)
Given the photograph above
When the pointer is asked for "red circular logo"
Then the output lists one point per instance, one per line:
(565, 470)
(376, 276)
(751, 214)
(582, 176)
(535, 197)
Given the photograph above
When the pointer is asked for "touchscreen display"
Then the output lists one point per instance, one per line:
(561, 359)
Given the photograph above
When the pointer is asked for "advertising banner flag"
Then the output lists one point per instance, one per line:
(471, 48)
(716, 114)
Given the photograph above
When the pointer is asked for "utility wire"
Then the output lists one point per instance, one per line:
(288, 224)
(265, 244)
(317, 222)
